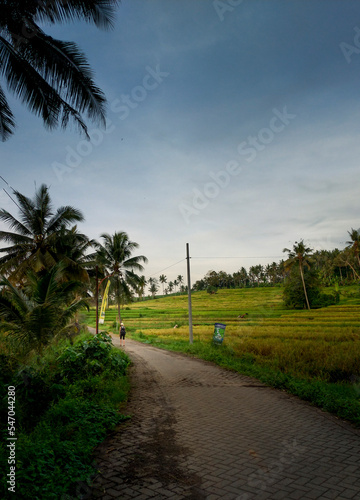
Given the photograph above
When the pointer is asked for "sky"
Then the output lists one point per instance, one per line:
(231, 125)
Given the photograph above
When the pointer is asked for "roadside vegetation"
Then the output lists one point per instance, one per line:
(313, 354)
(67, 400)
(61, 391)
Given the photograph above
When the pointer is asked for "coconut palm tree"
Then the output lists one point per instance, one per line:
(163, 280)
(354, 243)
(33, 241)
(51, 77)
(299, 255)
(141, 286)
(154, 287)
(115, 260)
(40, 311)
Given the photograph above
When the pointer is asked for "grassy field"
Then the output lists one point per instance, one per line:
(318, 349)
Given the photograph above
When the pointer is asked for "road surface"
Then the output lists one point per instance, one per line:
(201, 432)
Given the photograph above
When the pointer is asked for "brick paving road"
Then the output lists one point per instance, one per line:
(200, 432)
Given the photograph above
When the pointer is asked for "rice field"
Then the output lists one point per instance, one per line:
(322, 344)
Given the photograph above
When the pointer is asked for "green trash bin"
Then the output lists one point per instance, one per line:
(219, 333)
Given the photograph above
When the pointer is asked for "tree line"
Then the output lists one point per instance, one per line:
(50, 271)
(332, 267)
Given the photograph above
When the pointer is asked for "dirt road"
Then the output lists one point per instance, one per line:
(200, 432)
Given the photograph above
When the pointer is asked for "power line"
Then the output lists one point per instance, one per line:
(12, 199)
(268, 257)
(172, 265)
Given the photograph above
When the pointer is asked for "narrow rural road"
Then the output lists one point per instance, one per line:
(200, 432)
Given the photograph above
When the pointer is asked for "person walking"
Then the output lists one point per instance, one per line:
(122, 334)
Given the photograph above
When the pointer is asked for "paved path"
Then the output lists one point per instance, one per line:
(200, 432)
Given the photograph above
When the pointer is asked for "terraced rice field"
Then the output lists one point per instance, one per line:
(321, 344)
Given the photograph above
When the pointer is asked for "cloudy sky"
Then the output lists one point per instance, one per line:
(232, 126)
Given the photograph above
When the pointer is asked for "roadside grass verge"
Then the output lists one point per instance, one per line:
(66, 403)
(312, 354)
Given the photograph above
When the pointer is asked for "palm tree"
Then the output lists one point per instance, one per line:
(154, 287)
(354, 243)
(163, 280)
(299, 255)
(171, 286)
(115, 260)
(141, 286)
(40, 311)
(72, 250)
(51, 77)
(35, 233)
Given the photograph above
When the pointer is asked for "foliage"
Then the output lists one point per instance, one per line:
(61, 415)
(38, 234)
(51, 77)
(294, 296)
(31, 317)
(116, 261)
(299, 257)
(91, 357)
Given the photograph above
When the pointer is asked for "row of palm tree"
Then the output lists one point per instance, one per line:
(172, 285)
(49, 268)
(332, 266)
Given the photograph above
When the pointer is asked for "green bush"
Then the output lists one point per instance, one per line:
(66, 403)
(91, 357)
(294, 296)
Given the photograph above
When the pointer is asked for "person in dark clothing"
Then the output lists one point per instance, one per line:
(122, 334)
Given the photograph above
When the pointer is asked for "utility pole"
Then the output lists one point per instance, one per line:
(189, 294)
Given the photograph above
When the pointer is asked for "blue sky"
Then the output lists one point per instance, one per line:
(232, 126)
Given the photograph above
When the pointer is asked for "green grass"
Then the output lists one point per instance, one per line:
(313, 354)
(66, 403)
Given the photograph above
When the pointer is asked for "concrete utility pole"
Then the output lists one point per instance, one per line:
(189, 294)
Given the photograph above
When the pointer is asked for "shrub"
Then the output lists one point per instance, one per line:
(294, 296)
(63, 411)
(91, 357)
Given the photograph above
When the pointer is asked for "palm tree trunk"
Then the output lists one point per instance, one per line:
(303, 282)
(119, 310)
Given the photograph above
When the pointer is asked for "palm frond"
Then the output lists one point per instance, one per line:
(13, 223)
(66, 69)
(99, 12)
(7, 122)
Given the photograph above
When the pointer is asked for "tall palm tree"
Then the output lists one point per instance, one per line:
(141, 286)
(115, 260)
(299, 255)
(163, 280)
(51, 77)
(354, 243)
(154, 287)
(40, 311)
(35, 233)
